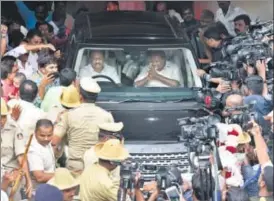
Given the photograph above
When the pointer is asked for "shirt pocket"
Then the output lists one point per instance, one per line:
(6, 150)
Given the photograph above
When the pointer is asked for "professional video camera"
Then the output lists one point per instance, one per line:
(202, 128)
(244, 49)
(200, 135)
(166, 177)
(223, 69)
(207, 98)
(244, 117)
(260, 30)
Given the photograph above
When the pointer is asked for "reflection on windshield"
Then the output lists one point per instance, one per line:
(170, 68)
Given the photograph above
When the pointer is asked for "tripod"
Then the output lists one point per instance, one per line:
(203, 165)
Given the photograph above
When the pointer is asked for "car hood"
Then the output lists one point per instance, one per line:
(151, 121)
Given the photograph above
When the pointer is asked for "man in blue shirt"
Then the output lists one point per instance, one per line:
(255, 86)
(30, 17)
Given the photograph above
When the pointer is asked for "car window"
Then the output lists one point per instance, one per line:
(151, 68)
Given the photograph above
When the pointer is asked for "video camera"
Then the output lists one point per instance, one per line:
(244, 49)
(223, 69)
(167, 179)
(202, 129)
(259, 30)
(244, 117)
(206, 97)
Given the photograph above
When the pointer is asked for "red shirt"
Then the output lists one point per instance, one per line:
(7, 89)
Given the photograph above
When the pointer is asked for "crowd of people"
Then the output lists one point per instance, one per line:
(47, 111)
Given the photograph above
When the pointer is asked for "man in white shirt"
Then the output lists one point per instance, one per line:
(99, 67)
(30, 114)
(26, 53)
(41, 157)
(226, 14)
(159, 72)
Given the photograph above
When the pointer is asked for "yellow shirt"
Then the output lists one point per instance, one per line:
(97, 184)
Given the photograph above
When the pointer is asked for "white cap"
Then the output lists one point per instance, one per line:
(90, 85)
(112, 127)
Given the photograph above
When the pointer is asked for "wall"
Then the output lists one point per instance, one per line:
(261, 8)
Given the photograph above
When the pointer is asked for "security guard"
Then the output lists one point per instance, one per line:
(96, 181)
(12, 148)
(80, 125)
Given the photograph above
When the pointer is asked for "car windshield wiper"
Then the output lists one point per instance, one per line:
(132, 100)
(182, 99)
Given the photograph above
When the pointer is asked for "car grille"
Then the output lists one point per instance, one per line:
(149, 164)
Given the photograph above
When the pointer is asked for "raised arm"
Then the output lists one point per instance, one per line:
(24, 11)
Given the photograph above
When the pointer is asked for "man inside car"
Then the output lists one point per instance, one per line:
(159, 72)
(99, 67)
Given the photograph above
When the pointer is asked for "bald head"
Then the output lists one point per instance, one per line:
(234, 100)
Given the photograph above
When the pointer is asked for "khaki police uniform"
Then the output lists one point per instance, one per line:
(12, 145)
(97, 182)
(69, 98)
(90, 156)
(80, 126)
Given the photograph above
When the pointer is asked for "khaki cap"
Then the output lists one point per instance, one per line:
(112, 127)
(112, 150)
(4, 107)
(244, 138)
(63, 179)
(90, 85)
(70, 97)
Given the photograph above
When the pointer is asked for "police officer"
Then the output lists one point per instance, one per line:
(96, 181)
(12, 149)
(107, 131)
(69, 99)
(80, 125)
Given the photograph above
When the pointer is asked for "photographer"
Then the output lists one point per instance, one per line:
(266, 178)
(255, 91)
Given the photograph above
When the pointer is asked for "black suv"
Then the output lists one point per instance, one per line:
(149, 113)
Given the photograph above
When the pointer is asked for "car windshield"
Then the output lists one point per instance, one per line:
(134, 74)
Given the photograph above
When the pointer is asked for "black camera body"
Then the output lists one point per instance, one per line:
(246, 49)
(259, 30)
(224, 69)
(167, 177)
(244, 117)
(201, 129)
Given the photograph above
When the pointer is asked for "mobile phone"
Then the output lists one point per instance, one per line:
(172, 193)
(55, 75)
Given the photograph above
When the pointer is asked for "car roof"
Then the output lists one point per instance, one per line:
(128, 24)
